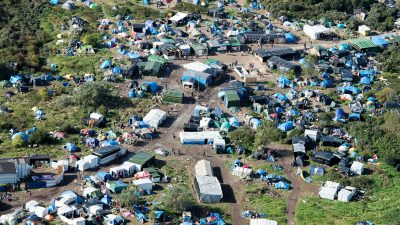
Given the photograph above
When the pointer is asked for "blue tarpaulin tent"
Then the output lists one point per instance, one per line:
(286, 126)
(234, 122)
(282, 185)
(279, 96)
(54, 2)
(380, 41)
(106, 199)
(15, 78)
(150, 86)
(70, 147)
(23, 135)
(326, 83)
(283, 82)
(133, 55)
(316, 170)
(105, 64)
(255, 123)
(365, 81)
(355, 116)
(104, 176)
(339, 115)
(290, 37)
(116, 70)
(349, 89)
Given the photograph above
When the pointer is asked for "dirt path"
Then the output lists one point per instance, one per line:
(231, 188)
(294, 195)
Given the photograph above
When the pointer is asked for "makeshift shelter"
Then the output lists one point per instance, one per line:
(154, 174)
(241, 172)
(91, 192)
(326, 158)
(364, 30)
(380, 41)
(357, 168)
(196, 79)
(208, 189)
(116, 186)
(103, 176)
(126, 169)
(329, 190)
(286, 126)
(141, 160)
(69, 5)
(363, 44)
(203, 168)
(144, 184)
(149, 86)
(8, 173)
(105, 64)
(173, 96)
(231, 99)
(277, 63)
(346, 194)
(199, 49)
(155, 117)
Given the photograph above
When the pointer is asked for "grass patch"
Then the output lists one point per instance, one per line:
(273, 207)
(381, 203)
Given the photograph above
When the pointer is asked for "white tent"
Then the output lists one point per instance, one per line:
(65, 211)
(203, 168)
(31, 205)
(41, 211)
(241, 172)
(96, 116)
(94, 209)
(357, 168)
(208, 189)
(314, 32)
(262, 222)
(197, 66)
(178, 17)
(144, 184)
(155, 117)
(346, 194)
(329, 190)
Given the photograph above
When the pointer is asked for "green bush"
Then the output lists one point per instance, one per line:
(188, 7)
(40, 136)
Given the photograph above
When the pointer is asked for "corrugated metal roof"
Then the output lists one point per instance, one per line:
(7, 167)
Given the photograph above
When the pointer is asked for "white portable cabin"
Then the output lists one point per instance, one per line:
(155, 117)
(126, 169)
(203, 168)
(219, 143)
(41, 211)
(144, 184)
(64, 163)
(202, 137)
(357, 168)
(241, 172)
(329, 190)
(88, 162)
(364, 30)
(208, 189)
(346, 194)
(262, 222)
(312, 134)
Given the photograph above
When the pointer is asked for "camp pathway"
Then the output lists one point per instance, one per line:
(231, 188)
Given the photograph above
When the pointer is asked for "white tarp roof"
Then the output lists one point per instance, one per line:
(30, 206)
(203, 168)
(64, 210)
(345, 195)
(357, 167)
(179, 16)
(89, 190)
(329, 190)
(155, 117)
(210, 135)
(209, 185)
(96, 116)
(313, 134)
(314, 31)
(262, 222)
(196, 66)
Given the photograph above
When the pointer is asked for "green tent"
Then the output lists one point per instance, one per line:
(116, 186)
(173, 96)
(225, 127)
(156, 58)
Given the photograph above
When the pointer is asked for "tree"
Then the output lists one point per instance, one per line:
(127, 198)
(243, 136)
(93, 39)
(178, 199)
(90, 96)
(267, 133)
